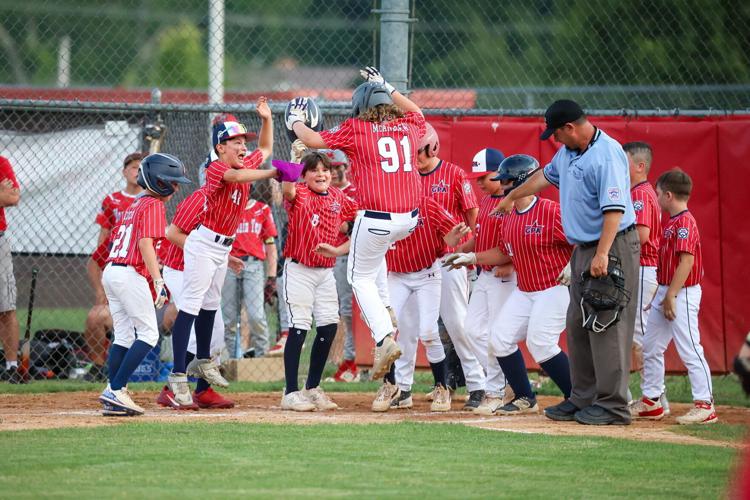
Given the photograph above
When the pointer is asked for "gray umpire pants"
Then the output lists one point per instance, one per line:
(600, 362)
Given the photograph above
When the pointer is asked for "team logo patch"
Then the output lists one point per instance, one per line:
(334, 129)
(315, 220)
(440, 187)
(637, 205)
(683, 233)
(533, 229)
(335, 207)
(613, 193)
(467, 187)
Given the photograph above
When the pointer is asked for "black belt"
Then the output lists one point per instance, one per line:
(371, 214)
(227, 242)
(594, 243)
(118, 264)
(245, 258)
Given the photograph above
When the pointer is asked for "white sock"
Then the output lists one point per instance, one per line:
(11, 364)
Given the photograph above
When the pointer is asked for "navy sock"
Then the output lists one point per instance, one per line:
(514, 368)
(204, 326)
(558, 369)
(319, 353)
(292, 352)
(439, 373)
(180, 337)
(132, 359)
(114, 360)
(391, 375)
(189, 356)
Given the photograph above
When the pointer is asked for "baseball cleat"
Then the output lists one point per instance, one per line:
(109, 410)
(647, 409)
(347, 372)
(208, 370)
(385, 354)
(664, 404)
(320, 399)
(702, 413)
(209, 398)
(386, 395)
(519, 406)
(120, 400)
(296, 401)
(475, 399)
(489, 405)
(278, 349)
(404, 401)
(180, 397)
(442, 399)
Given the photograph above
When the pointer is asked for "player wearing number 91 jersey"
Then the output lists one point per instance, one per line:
(381, 141)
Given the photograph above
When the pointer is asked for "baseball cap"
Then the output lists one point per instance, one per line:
(558, 114)
(487, 160)
(227, 130)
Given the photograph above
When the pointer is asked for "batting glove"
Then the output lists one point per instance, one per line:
(564, 278)
(297, 112)
(459, 260)
(371, 74)
(161, 294)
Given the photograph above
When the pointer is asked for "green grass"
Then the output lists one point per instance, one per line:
(730, 433)
(53, 318)
(364, 461)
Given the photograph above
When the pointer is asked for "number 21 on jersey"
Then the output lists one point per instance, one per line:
(121, 242)
(388, 149)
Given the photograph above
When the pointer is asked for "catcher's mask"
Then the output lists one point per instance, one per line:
(603, 298)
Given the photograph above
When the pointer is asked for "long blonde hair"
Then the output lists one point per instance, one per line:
(381, 113)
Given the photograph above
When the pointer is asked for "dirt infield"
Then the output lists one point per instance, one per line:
(81, 409)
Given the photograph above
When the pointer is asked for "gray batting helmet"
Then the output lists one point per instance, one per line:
(158, 171)
(368, 95)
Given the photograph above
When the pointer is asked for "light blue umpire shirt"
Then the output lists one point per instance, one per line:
(591, 183)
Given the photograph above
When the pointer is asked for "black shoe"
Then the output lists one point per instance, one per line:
(403, 401)
(475, 399)
(563, 412)
(250, 353)
(96, 374)
(12, 376)
(596, 415)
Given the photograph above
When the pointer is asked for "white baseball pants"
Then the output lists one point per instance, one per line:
(536, 317)
(131, 306)
(173, 279)
(415, 298)
(310, 292)
(687, 339)
(373, 234)
(205, 270)
(646, 290)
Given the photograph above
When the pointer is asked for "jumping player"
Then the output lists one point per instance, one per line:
(316, 213)
(98, 320)
(490, 291)
(381, 141)
(207, 247)
(131, 263)
(675, 307)
(187, 216)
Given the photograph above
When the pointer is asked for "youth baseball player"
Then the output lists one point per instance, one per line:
(414, 278)
(98, 320)
(131, 263)
(490, 291)
(533, 239)
(381, 141)
(648, 225)
(188, 215)
(316, 214)
(447, 184)
(676, 307)
(207, 247)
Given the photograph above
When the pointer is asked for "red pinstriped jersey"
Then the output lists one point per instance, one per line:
(680, 236)
(350, 191)
(256, 226)
(647, 213)
(426, 243)
(535, 241)
(316, 218)
(187, 216)
(448, 185)
(145, 218)
(109, 215)
(227, 200)
(383, 160)
(489, 227)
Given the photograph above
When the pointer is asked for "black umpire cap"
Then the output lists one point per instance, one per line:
(558, 114)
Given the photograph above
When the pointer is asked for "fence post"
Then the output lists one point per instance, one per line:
(394, 42)
(216, 51)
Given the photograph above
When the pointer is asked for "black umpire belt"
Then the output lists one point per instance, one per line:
(594, 243)
(372, 214)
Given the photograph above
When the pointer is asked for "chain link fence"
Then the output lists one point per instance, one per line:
(76, 80)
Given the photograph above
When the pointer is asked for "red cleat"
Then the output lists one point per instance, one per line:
(166, 398)
(211, 399)
(347, 372)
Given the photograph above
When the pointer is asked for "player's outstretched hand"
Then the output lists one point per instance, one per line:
(297, 112)
(264, 111)
(298, 151)
(456, 234)
(161, 294)
(235, 264)
(564, 277)
(326, 250)
(459, 260)
(505, 206)
(503, 271)
(372, 74)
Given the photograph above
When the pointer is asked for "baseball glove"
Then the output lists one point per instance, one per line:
(742, 369)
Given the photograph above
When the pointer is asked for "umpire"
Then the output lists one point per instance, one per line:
(591, 172)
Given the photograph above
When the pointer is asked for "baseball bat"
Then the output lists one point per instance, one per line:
(238, 334)
(25, 365)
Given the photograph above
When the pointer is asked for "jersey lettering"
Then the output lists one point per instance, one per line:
(388, 149)
(121, 242)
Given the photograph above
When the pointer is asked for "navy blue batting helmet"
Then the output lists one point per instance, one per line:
(158, 171)
(368, 95)
(516, 168)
